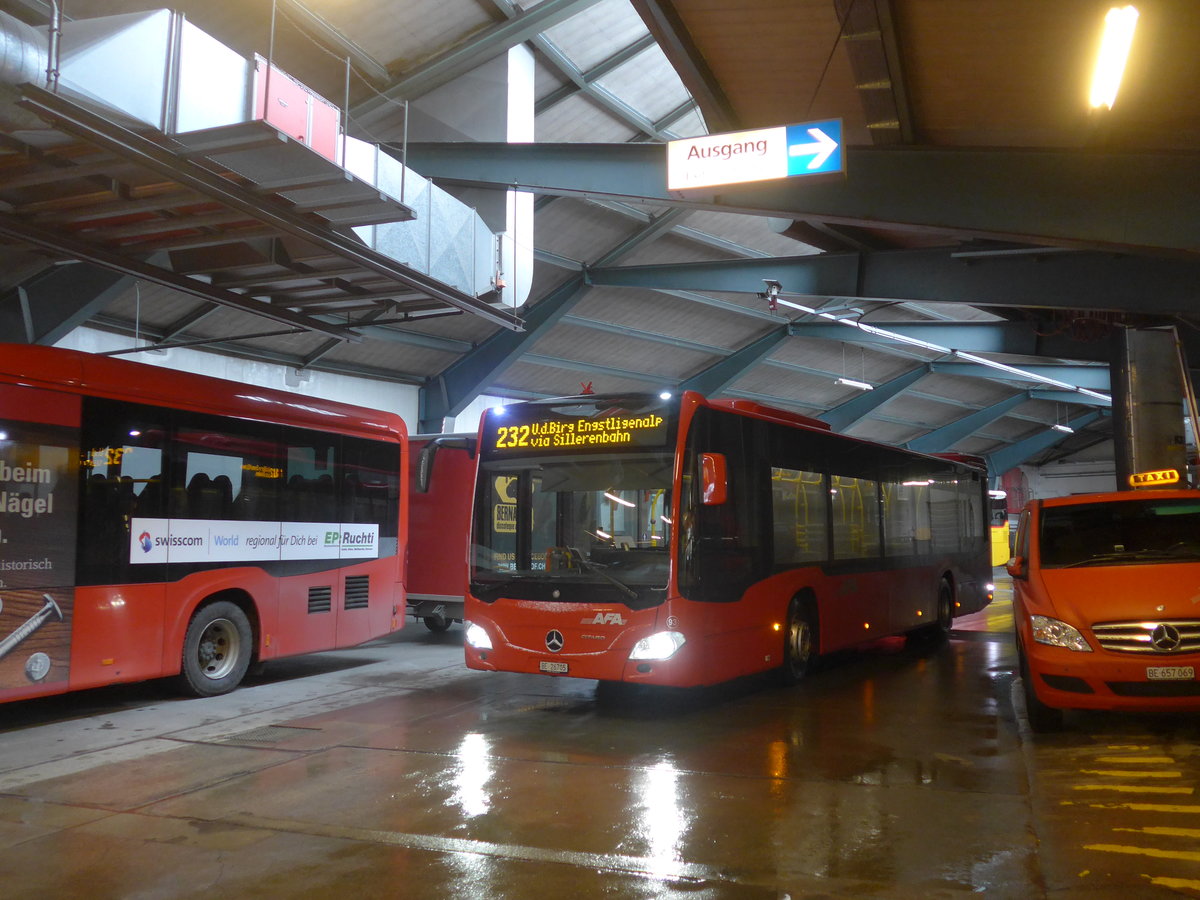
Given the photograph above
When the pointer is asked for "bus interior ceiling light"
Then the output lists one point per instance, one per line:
(615, 499)
(1119, 25)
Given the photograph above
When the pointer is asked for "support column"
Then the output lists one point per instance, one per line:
(1147, 385)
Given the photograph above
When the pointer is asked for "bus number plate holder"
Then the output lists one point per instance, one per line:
(1170, 673)
(551, 667)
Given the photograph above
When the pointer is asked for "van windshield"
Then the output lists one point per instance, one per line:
(1121, 533)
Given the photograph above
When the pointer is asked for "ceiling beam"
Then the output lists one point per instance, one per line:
(944, 438)
(460, 59)
(582, 81)
(1094, 378)
(1013, 455)
(843, 416)
(1060, 281)
(963, 191)
(713, 380)
(665, 23)
(58, 300)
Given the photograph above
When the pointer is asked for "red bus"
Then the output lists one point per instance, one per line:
(157, 523)
(684, 541)
(439, 519)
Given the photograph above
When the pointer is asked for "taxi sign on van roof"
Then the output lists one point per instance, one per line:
(1153, 479)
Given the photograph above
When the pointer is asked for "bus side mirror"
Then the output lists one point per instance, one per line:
(714, 480)
(425, 466)
(1017, 567)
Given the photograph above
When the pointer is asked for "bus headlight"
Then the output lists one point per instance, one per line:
(1055, 633)
(661, 645)
(477, 637)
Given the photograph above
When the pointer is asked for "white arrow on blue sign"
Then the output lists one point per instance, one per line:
(815, 147)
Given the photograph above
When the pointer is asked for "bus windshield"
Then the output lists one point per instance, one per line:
(574, 528)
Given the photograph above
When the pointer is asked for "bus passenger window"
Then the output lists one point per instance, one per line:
(798, 514)
(855, 517)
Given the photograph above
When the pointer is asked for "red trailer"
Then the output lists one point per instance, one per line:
(443, 480)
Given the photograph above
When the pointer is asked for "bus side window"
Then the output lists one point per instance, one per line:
(122, 460)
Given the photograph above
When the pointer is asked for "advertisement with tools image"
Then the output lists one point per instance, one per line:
(38, 506)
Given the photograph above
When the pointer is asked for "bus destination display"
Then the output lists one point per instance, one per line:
(611, 432)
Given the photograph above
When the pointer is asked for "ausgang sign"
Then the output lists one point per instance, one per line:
(813, 148)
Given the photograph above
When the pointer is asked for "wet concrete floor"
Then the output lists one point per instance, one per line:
(392, 771)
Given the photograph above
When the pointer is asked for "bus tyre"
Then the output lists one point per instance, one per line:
(799, 643)
(928, 637)
(945, 610)
(1042, 719)
(216, 649)
(437, 624)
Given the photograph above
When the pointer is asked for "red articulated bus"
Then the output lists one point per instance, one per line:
(157, 523)
(687, 541)
(439, 518)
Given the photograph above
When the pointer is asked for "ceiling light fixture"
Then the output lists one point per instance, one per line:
(1065, 429)
(1119, 25)
(861, 385)
(937, 348)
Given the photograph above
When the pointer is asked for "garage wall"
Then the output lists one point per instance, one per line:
(396, 398)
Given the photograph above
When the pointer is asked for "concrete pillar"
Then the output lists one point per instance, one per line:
(1148, 407)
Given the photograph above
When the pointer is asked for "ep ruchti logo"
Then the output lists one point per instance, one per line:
(333, 539)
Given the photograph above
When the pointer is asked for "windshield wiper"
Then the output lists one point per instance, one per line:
(595, 567)
(1132, 556)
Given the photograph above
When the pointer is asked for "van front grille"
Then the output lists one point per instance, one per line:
(1165, 638)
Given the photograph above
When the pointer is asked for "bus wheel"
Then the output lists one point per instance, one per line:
(216, 650)
(945, 610)
(1043, 719)
(437, 624)
(929, 636)
(799, 643)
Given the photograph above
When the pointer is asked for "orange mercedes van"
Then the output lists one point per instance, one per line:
(1106, 597)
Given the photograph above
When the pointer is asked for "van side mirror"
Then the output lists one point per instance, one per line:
(1018, 567)
(714, 479)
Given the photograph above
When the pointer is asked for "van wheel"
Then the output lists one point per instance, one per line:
(1043, 719)
(799, 643)
(216, 650)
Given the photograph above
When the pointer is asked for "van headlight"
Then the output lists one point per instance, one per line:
(1055, 633)
(660, 645)
(477, 637)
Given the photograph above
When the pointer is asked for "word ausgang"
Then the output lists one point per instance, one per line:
(729, 151)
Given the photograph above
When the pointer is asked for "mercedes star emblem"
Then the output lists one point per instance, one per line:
(554, 641)
(1165, 638)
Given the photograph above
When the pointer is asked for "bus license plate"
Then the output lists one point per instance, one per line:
(1170, 673)
(554, 668)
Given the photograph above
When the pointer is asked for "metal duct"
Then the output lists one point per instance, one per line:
(23, 60)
